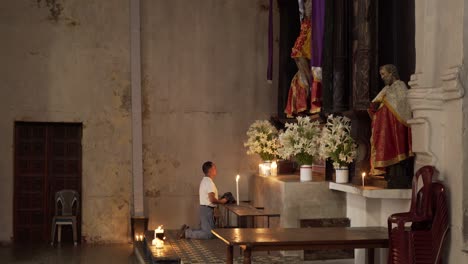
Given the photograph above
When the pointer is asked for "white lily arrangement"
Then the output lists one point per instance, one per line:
(300, 140)
(262, 140)
(337, 143)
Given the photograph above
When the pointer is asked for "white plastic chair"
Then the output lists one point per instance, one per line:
(67, 204)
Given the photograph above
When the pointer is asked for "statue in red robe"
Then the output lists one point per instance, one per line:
(389, 111)
(301, 53)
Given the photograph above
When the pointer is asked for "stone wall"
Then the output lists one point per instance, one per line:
(204, 82)
(75, 69)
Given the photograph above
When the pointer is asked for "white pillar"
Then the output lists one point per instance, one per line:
(137, 153)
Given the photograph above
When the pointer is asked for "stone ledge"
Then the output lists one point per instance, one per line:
(294, 178)
(371, 191)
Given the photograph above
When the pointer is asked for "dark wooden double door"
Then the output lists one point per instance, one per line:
(47, 158)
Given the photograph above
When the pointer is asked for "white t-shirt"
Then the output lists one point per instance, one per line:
(206, 186)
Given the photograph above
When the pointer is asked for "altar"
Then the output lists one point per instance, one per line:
(300, 204)
(296, 200)
(371, 206)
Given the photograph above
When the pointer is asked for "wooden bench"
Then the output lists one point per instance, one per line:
(269, 239)
(245, 210)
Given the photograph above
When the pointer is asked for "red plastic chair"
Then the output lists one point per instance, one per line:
(421, 241)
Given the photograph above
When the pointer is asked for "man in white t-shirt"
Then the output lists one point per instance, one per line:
(208, 201)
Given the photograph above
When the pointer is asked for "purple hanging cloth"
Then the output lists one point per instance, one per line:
(318, 26)
(270, 43)
(316, 43)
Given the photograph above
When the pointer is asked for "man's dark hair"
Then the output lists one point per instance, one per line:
(207, 166)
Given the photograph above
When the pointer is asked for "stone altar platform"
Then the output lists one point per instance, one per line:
(296, 200)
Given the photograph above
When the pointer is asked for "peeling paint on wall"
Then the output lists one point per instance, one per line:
(126, 99)
(153, 193)
(55, 8)
(146, 107)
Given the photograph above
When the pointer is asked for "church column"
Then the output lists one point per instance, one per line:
(438, 102)
(139, 222)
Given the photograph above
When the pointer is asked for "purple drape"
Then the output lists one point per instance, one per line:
(270, 43)
(318, 26)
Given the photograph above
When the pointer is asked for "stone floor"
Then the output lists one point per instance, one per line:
(191, 252)
(67, 253)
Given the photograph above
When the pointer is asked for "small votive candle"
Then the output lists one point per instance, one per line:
(274, 169)
(265, 168)
(159, 243)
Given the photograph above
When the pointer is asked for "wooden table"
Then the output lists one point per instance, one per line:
(263, 239)
(247, 210)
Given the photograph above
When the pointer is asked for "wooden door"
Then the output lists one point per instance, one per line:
(47, 159)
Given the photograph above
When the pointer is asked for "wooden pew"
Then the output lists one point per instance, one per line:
(270, 239)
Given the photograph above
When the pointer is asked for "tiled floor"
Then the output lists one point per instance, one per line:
(191, 252)
(214, 252)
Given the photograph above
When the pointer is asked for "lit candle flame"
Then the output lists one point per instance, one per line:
(274, 165)
(237, 178)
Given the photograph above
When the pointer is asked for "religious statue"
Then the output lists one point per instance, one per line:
(391, 135)
(301, 53)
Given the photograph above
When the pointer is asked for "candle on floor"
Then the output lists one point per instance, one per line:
(159, 243)
(159, 232)
(363, 176)
(237, 188)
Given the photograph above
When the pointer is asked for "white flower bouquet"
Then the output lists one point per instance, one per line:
(300, 140)
(262, 140)
(336, 142)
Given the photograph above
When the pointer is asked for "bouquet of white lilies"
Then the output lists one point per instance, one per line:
(262, 140)
(336, 142)
(300, 140)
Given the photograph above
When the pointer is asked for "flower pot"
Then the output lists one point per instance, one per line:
(306, 173)
(342, 175)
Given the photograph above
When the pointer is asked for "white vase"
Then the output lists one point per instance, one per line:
(306, 173)
(342, 175)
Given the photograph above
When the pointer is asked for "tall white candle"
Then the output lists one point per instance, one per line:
(237, 188)
(363, 176)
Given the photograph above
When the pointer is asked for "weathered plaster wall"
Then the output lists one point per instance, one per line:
(438, 102)
(204, 71)
(72, 70)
